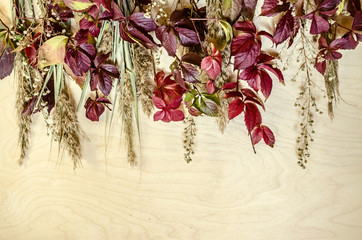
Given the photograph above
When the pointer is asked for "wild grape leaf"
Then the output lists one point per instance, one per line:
(187, 37)
(206, 106)
(284, 28)
(263, 132)
(178, 78)
(168, 39)
(212, 64)
(139, 20)
(52, 51)
(6, 63)
(236, 107)
(192, 57)
(190, 73)
(273, 7)
(101, 74)
(252, 116)
(166, 88)
(210, 87)
(168, 112)
(78, 5)
(95, 108)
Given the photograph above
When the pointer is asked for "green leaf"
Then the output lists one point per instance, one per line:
(214, 97)
(206, 106)
(52, 52)
(227, 29)
(189, 97)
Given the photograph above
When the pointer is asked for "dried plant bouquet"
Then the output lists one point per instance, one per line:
(220, 66)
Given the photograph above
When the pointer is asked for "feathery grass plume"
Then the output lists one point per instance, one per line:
(23, 95)
(143, 68)
(65, 126)
(222, 117)
(189, 135)
(331, 82)
(126, 104)
(106, 45)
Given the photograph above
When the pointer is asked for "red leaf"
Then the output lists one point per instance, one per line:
(266, 84)
(284, 28)
(175, 103)
(236, 107)
(176, 115)
(252, 116)
(160, 115)
(230, 85)
(210, 87)
(268, 136)
(158, 102)
(212, 66)
(110, 69)
(245, 26)
(167, 89)
(256, 135)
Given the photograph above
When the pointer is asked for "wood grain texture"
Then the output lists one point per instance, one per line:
(227, 192)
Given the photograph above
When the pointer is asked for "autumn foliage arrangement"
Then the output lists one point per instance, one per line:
(219, 68)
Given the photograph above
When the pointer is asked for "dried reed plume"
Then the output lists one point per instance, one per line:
(106, 44)
(65, 127)
(143, 68)
(215, 31)
(23, 95)
(126, 110)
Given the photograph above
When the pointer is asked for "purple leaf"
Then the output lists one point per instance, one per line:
(178, 78)
(187, 37)
(6, 63)
(81, 37)
(82, 60)
(192, 58)
(145, 39)
(110, 70)
(246, 59)
(140, 21)
(190, 73)
(168, 40)
(88, 49)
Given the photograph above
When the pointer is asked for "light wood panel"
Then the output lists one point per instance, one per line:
(227, 192)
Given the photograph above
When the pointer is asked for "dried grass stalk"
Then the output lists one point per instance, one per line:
(66, 128)
(126, 108)
(143, 68)
(222, 117)
(23, 95)
(331, 82)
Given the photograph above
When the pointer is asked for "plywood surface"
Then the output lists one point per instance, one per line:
(227, 192)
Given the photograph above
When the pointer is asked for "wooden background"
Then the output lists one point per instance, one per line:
(227, 192)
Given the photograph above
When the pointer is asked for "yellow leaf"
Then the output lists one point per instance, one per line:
(5, 13)
(78, 5)
(52, 51)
